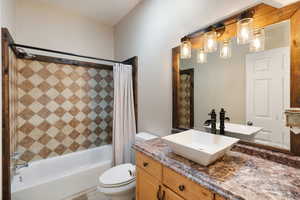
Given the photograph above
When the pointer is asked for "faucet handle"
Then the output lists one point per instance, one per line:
(207, 122)
(213, 112)
(16, 155)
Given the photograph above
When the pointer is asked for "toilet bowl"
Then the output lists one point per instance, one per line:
(118, 183)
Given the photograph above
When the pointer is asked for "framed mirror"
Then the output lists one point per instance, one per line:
(254, 87)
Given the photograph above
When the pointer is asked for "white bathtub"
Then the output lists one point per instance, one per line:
(60, 177)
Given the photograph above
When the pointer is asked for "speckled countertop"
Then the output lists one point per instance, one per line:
(236, 176)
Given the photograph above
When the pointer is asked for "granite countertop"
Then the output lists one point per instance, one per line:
(238, 175)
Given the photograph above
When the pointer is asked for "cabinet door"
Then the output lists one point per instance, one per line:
(147, 187)
(170, 195)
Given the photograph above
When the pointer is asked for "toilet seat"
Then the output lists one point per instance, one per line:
(117, 176)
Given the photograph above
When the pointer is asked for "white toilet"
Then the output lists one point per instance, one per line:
(118, 183)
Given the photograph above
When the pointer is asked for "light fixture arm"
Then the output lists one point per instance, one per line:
(220, 26)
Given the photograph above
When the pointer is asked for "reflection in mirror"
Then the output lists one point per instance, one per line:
(253, 88)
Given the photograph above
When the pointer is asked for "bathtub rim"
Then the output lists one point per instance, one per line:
(17, 187)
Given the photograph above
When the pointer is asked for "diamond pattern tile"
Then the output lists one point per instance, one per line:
(62, 108)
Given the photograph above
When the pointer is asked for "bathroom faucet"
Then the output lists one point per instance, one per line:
(222, 121)
(212, 122)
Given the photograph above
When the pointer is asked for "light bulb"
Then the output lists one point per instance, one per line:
(201, 56)
(258, 41)
(186, 49)
(225, 49)
(244, 30)
(210, 42)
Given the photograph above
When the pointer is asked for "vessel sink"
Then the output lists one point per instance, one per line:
(200, 147)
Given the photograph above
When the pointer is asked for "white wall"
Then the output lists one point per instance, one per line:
(150, 31)
(8, 15)
(44, 25)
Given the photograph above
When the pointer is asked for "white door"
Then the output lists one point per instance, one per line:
(268, 94)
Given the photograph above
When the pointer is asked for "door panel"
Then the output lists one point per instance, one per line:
(147, 186)
(268, 94)
(261, 98)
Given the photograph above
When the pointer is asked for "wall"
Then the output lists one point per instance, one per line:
(8, 15)
(44, 25)
(62, 109)
(150, 31)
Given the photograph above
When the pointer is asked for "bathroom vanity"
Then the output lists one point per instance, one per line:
(244, 173)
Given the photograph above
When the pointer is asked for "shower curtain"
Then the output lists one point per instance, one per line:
(124, 128)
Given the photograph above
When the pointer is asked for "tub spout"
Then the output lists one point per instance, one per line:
(22, 165)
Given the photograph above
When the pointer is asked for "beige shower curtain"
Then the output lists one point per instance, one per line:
(124, 128)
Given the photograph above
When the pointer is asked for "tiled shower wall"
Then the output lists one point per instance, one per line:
(62, 109)
(184, 101)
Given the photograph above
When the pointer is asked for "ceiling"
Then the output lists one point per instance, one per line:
(279, 3)
(109, 12)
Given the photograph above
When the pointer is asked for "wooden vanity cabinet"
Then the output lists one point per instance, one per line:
(156, 182)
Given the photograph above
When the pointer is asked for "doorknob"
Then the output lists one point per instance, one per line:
(249, 123)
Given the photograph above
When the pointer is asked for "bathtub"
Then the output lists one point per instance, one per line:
(60, 177)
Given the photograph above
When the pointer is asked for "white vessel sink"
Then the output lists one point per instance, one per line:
(200, 147)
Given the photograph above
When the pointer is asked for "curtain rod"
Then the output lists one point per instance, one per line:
(61, 52)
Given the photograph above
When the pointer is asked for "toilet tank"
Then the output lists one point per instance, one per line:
(143, 136)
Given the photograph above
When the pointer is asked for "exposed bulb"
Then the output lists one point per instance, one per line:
(244, 30)
(258, 42)
(225, 49)
(210, 42)
(201, 56)
(186, 49)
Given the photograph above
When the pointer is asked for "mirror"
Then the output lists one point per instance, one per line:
(253, 89)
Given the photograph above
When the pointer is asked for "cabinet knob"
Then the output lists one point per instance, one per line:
(145, 164)
(181, 187)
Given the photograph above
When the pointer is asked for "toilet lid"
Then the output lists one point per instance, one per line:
(117, 176)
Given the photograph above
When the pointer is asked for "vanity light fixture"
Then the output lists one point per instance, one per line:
(185, 48)
(258, 41)
(210, 41)
(201, 56)
(245, 28)
(225, 49)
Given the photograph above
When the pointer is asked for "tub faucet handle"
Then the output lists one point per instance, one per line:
(15, 156)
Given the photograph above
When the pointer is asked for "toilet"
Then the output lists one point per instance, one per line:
(118, 183)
